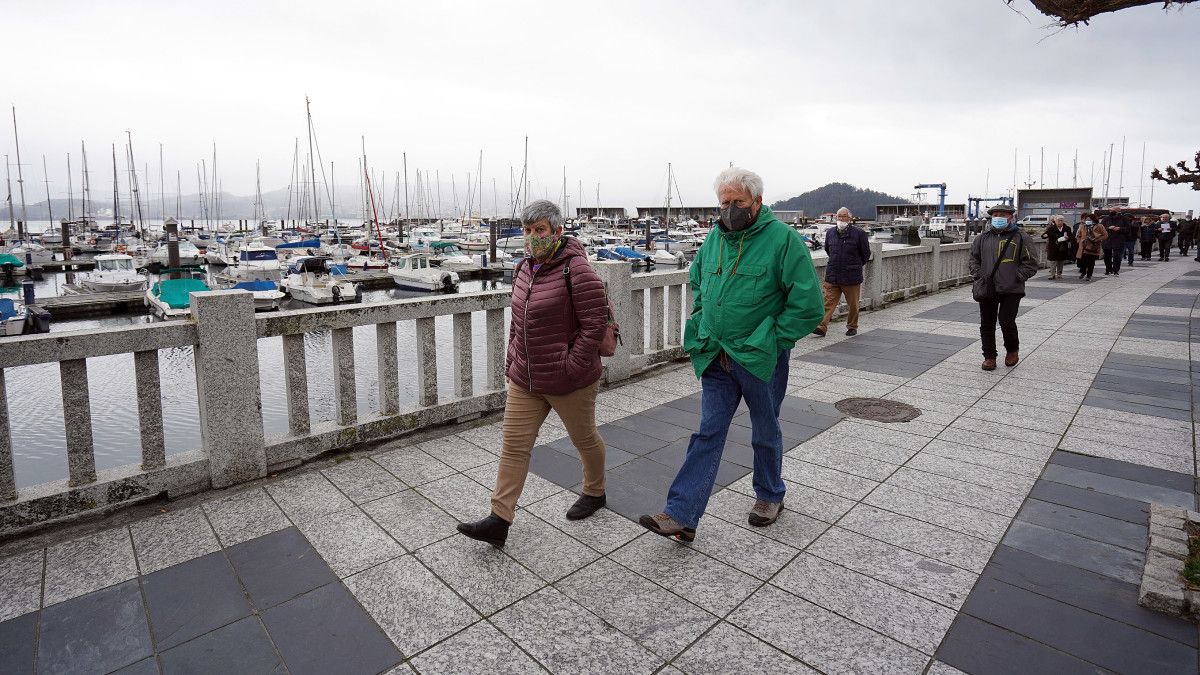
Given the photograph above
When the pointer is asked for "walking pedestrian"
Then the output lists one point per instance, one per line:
(1147, 233)
(559, 317)
(1187, 232)
(1002, 260)
(1059, 244)
(1130, 228)
(849, 248)
(1089, 238)
(754, 294)
(1166, 232)
(1114, 243)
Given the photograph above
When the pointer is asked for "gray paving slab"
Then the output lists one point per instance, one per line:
(1178, 404)
(980, 648)
(18, 642)
(1084, 524)
(21, 579)
(325, 631)
(1129, 510)
(479, 649)
(1106, 559)
(1126, 470)
(242, 646)
(1100, 640)
(278, 567)
(193, 598)
(727, 649)
(1119, 487)
(98, 632)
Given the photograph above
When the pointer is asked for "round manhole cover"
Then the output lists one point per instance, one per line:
(878, 409)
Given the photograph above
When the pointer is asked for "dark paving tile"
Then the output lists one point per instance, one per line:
(1120, 487)
(612, 456)
(241, 647)
(1125, 406)
(97, 632)
(1070, 549)
(1148, 387)
(1087, 590)
(687, 403)
(979, 648)
(635, 441)
(674, 416)
(647, 473)
(1151, 334)
(556, 467)
(1173, 376)
(657, 428)
(326, 631)
(728, 472)
(1085, 524)
(17, 637)
(1137, 360)
(279, 566)
(1182, 403)
(742, 436)
(1169, 300)
(809, 407)
(1129, 510)
(193, 598)
(1126, 470)
(629, 499)
(1101, 640)
(144, 667)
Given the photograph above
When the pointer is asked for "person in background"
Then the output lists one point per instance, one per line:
(849, 248)
(1089, 239)
(1131, 229)
(1187, 232)
(1003, 253)
(1059, 243)
(754, 294)
(1114, 243)
(1166, 232)
(1147, 233)
(559, 317)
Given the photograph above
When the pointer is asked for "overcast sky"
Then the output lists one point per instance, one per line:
(877, 93)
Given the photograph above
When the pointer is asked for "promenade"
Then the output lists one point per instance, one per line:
(1001, 531)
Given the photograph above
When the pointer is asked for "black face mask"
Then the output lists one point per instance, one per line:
(736, 218)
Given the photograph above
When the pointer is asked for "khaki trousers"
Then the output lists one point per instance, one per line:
(523, 416)
(833, 294)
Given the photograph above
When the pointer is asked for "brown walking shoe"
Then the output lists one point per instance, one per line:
(666, 526)
(1011, 359)
(819, 332)
(989, 364)
(765, 513)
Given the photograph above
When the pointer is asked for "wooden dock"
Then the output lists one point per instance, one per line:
(85, 305)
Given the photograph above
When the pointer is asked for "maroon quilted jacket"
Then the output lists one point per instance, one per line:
(554, 337)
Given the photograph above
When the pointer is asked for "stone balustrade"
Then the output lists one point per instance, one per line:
(223, 332)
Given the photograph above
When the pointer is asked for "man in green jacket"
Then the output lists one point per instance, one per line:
(755, 292)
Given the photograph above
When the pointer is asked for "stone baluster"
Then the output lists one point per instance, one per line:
(461, 343)
(934, 281)
(77, 418)
(635, 334)
(344, 393)
(8, 483)
(295, 375)
(388, 364)
(149, 406)
(496, 349)
(656, 318)
(227, 386)
(427, 362)
(874, 275)
(616, 276)
(675, 315)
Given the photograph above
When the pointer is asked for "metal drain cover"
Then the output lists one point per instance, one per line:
(878, 409)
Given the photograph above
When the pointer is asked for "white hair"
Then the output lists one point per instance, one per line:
(741, 178)
(839, 212)
(542, 210)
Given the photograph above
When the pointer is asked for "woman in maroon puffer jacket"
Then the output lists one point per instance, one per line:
(559, 317)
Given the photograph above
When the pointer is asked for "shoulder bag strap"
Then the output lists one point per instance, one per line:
(1000, 255)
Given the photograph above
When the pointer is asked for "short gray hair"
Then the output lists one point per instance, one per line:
(839, 212)
(740, 177)
(540, 210)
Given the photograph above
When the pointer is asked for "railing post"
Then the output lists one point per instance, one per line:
(387, 362)
(616, 276)
(8, 483)
(227, 386)
(295, 376)
(675, 315)
(77, 417)
(496, 349)
(875, 275)
(461, 342)
(149, 403)
(427, 392)
(345, 396)
(935, 263)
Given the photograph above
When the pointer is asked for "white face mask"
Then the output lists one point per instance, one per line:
(842, 226)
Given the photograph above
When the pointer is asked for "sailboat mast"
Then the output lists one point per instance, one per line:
(332, 196)
(49, 209)
(23, 223)
(311, 165)
(12, 219)
(371, 197)
(85, 189)
(70, 191)
(405, 156)
(178, 192)
(137, 202)
(162, 197)
(116, 190)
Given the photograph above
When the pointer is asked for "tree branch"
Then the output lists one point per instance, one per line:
(1074, 12)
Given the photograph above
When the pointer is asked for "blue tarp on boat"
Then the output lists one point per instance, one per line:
(252, 286)
(630, 253)
(8, 309)
(304, 243)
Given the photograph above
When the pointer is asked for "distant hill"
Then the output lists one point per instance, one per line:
(833, 196)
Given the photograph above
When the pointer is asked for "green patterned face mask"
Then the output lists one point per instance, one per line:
(540, 248)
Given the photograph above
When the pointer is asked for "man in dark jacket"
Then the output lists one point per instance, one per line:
(1131, 230)
(1187, 232)
(849, 248)
(1166, 232)
(1147, 233)
(1114, 246)
(1002, 258)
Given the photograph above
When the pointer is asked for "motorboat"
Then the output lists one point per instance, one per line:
(413, 272)
(664, 257)
(29, 249)
(257, 261)
(313, 279)
(189, 255)
(8, 262)
(171, 298)
(446, 254)
(478, 242)
(267, 294)
(364, 263)
(12, 317)
(113, 272)
(52, 237)
(420, 238)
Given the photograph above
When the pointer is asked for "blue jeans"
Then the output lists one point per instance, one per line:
(721, 392)
(1130, 245)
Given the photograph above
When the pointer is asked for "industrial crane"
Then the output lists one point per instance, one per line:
(974, 202)
(941, 195)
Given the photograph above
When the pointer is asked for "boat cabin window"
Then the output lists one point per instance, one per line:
(259, 255)
(114, 265)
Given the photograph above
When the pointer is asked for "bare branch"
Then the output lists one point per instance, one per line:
(1075, 12)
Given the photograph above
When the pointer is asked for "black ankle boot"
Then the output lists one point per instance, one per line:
(493, 530)
(585, 506)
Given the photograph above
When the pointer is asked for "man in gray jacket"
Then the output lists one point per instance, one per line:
(1002, 260)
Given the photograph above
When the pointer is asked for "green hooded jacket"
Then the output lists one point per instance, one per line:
(754, 294)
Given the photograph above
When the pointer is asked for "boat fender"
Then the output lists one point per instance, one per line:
(337, 294)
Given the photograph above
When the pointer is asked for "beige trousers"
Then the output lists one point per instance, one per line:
(523, 416)
(833, 295)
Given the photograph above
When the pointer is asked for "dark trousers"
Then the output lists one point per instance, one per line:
(1164, 248)
(1147, 246)
(1087, 265)
(1112, 260)
(1184, 244)
(1130, 245)
(1004, 308)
